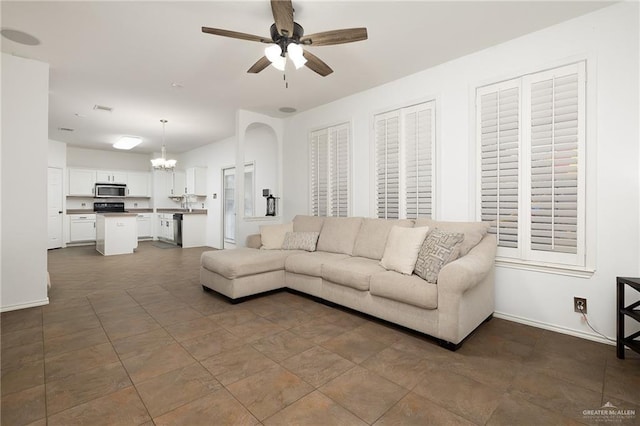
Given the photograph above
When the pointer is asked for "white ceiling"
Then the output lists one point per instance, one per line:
(126, 55)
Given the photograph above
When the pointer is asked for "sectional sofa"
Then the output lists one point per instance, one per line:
(344, 266)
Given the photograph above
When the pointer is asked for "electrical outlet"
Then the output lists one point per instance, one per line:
(580, 305)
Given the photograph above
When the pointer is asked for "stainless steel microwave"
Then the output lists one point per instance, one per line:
(111, 190)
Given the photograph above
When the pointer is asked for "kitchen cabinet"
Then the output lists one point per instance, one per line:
(144, 225)
(176, 184)
(138, 184)
(194, 227)
(197, 181)
(116, 233)
(165, 227)
(81, 182)
(103, 176)
(82, 228)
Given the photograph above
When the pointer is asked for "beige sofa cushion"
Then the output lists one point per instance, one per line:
(300, 241)
(311, 263)
(353, 272)
(302, 223)
(272, 236)
(338, 234)
(473, 231)
(372, 237)
(244, 261)
(408, 289)
(402, 249)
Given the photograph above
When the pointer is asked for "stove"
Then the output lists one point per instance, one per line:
(109, 207)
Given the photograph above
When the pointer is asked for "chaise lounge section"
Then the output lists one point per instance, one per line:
(345, 267)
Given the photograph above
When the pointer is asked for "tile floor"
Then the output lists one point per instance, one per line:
(134, 340)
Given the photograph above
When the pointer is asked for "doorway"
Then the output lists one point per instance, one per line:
(54, 207)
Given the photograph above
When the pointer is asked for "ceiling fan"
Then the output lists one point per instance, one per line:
(287, 39)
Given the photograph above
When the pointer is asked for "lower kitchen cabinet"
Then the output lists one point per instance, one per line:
(82, 228)
(165, 227)
(194, 230)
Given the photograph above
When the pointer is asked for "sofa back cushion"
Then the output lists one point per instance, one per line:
(372, 238)
(338, 234)
(473, 232)
(302, 223)
(272, 236)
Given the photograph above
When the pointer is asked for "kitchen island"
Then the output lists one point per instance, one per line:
(116, 233)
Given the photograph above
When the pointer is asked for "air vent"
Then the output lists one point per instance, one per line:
(102, 108)
(65, 129)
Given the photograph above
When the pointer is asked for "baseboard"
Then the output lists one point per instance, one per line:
(25, 305)
(555, 328)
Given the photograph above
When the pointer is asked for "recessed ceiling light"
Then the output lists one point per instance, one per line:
(177, 85)
(102, 108)
(127, 142)
(287, 110)
(19, 37)
(65, 129)
(77, 114)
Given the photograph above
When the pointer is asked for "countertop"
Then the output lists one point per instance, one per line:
(116, 214)
(194, 211)
(90, 211)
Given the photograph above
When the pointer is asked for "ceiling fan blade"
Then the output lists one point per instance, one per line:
(328, 38)
(259, 66)
(235, 34)
(283, 16)
(316, 64)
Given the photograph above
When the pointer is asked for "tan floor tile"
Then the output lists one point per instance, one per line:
(21, 337)
(267, 392)
(308, 411)
(130, 327)
(497, 347)
(78, 309)
(176, 316)
(263, 306)
(142, 343)
(496, 373)
(233, 317)
(382, 333)
(253, 330)
(459, 394)
(20, 319)
(24, 407)
(317, 365)
(168, 391)
(318, 330)
(16, 356)
(289, 318)
(151, 364)
(414, 410)
(623, 383)
(517, 411)
(191, 329)
(212, 344)
(168, 304)
(120, 408)
(282, 345)
(73, 362)
(220, 405)
(85, 386)
(236, 364)
(75, 341)
(339, 317)
(364, 393)
(354, 346)
(72, 326)
(403, 367)
(26, 376)
(582, 374)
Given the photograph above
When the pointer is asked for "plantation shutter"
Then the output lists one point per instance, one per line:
(329, 171)
(387, 141)
(339, 169)
(418, 137)
(499, 121)
(556, 140)
(318, 167)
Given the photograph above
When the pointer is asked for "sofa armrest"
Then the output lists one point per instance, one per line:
(254, 241)
(467, 271)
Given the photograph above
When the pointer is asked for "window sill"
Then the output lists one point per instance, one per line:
(260, 218)
(549, 268)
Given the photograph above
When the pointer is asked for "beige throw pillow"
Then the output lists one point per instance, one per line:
(401, 251)
(272, 236)
(438, 249)
(300, 241)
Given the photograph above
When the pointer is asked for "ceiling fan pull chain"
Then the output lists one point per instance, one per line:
(286, 83)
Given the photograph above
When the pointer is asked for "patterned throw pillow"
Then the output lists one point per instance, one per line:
(438, 249)
(300, 241)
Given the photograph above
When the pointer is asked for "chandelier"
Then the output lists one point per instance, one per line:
(162, 163)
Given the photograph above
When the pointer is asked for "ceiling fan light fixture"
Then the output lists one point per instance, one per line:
(296, 54)
(274, 55)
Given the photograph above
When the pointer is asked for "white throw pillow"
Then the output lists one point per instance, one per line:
(272, 236)
(403, 246)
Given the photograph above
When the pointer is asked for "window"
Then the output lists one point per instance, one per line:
(329, 169)
(531, 132)
(404, 152)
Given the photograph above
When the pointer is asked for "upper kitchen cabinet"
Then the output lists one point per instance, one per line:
(138, 184)
(81, 182)
(103, 176)
(197, 181)
(176, 184)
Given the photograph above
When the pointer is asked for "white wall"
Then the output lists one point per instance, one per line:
(214, 157)
(107, 160)
(261, 148)
(608, 39)
(25, 103)
(57, 155)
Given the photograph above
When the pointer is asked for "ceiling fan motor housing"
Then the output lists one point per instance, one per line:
(282, 40)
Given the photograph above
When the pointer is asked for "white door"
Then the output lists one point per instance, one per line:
(229, 207)
(54, 207)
